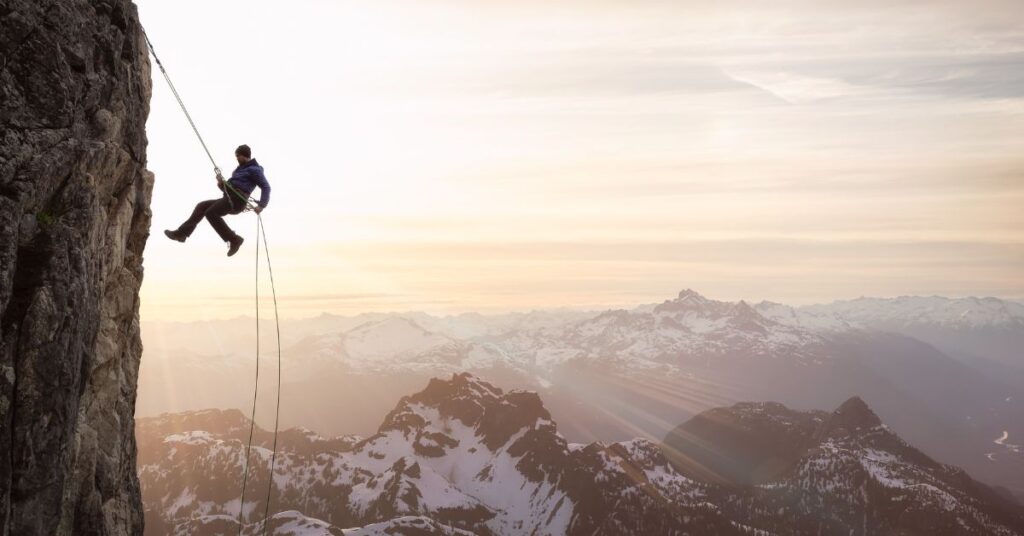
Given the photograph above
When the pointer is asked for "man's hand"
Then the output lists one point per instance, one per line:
(258, 209)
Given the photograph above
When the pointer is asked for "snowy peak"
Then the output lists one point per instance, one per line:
(690, 325)
(397, 338)
(688, 300)
(701, 315)
(495, 416)
(691, 297)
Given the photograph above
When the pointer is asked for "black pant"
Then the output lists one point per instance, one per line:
(214, 210)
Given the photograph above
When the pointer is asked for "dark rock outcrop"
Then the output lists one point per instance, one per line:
(747, 444)
(844, 472)
(74, 218)
(752, 443)
(850, 417)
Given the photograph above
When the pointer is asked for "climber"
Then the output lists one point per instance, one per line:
(246, 178)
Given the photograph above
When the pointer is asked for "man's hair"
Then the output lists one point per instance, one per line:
(244, 150)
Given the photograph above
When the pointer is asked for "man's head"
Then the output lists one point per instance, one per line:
(243, 153)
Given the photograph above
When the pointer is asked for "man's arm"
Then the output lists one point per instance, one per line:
(264, 186)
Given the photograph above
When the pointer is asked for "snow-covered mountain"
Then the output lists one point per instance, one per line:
(951, 313)
(985, 333)
(688, 326)
(464, 457)
(461, 452)
(399, 344)
(845, 469)
(621, 374)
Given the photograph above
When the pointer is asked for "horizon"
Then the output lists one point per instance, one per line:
(609, 307)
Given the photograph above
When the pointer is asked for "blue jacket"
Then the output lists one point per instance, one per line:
(247, 177)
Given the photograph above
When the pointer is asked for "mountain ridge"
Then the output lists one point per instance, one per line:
(464, 455)
(627, 373)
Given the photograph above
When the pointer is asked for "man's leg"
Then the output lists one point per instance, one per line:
(215, 214)
(185, 230)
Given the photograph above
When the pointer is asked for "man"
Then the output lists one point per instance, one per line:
(246, 178)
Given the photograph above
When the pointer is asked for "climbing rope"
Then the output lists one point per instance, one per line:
(256, 390)
(181, 103)
(260, 232)
(277, 410)
(184, 109)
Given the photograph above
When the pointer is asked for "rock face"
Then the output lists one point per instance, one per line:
(74, 218)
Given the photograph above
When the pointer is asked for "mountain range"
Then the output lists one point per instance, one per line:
(464, 457)
(925, 365)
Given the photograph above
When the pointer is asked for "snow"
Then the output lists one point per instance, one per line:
(293, 523)
(470, 473)
(809, 319)
(883, 466)
(938, 311)
(405, 525)
(190, 438)
(186, 498)
(392, 338)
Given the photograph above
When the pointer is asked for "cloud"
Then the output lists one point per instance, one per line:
(796, 88)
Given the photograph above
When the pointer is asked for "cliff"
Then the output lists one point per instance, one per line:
(74, 218)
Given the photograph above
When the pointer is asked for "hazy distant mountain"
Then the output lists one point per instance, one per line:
(617, 375)
(987, 333)
(464, 457)
(952, 313)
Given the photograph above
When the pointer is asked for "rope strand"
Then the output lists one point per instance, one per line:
(181, 103)
(256, 390)
(188, 116)
(277, 411)
(260, 232)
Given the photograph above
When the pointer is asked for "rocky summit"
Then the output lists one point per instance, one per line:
(74, 218)
(464, 457)
(844, 472)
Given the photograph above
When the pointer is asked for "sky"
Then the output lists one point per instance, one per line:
(457, 155)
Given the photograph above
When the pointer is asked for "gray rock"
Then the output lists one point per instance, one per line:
(74, 219)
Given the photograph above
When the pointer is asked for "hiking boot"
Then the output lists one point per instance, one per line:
(235, 243)
(176, 235)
